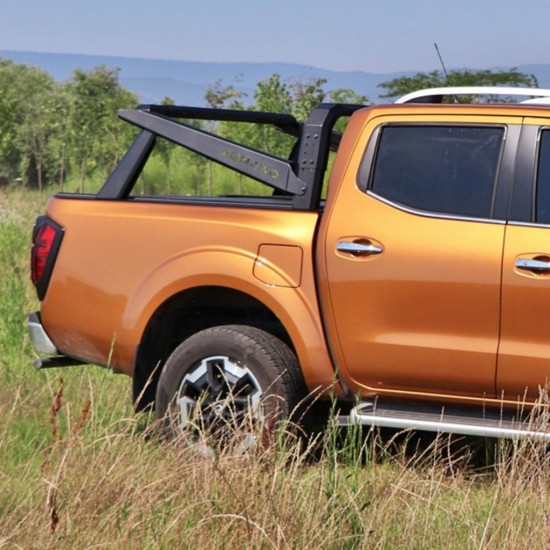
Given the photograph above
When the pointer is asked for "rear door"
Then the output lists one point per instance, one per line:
(413, 254)
(524, 354)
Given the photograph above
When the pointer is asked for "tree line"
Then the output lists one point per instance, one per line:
(51, 132)
(67, 134)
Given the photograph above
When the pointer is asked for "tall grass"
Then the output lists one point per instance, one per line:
(79, 470)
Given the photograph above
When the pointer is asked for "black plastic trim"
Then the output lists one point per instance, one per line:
(285, 122)
(505, 176)
(317, 139)
(366, 167)
(263, 167)
(271, 203)
(300, 177)
(124, 176)
(523, 193)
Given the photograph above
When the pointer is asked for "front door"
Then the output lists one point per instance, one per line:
(413, 260)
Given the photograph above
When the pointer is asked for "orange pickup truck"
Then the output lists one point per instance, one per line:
(412, 283)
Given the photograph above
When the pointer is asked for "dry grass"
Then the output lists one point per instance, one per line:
(79, 470)
(111, 482)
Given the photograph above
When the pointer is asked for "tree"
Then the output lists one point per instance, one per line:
(59, 121)
(346, 95)
(219, 96)
(47, 128)
(10, 110)
(402, 85)
(36, 129)
(98, 139)
(18, 84)
(307, 94)
(163, 148)
(271, 95)
(29, 140)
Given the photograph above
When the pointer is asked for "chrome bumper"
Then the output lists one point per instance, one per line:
(39, 339)
(42, 344)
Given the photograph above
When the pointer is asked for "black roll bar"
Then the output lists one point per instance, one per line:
(302, 176)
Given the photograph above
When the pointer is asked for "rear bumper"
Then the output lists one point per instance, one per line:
(39, 338)
(42, 343)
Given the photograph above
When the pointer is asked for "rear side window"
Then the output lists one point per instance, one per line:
(441, 169)
(543, 180)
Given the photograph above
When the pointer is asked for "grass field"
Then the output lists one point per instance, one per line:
(79, 470)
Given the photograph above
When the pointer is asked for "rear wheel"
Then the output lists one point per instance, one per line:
(228, 385)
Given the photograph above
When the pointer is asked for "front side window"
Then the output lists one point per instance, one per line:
(441, 169)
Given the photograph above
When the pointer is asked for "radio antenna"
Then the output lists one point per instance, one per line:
(441, 61)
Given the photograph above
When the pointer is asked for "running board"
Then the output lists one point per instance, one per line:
(446, 420)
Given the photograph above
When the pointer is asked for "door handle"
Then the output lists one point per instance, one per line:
(537, 266)
(358, 248)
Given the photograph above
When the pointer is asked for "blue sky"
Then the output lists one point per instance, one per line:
(369, 35)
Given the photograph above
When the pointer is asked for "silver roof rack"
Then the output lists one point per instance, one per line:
(435, 95)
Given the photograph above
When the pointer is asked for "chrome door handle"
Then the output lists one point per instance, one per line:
(358, 249)
(538, 266)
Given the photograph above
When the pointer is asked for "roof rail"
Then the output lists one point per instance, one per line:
(435, 95)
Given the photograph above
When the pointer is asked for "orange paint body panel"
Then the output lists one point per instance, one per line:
(120, 261)
(421, 319)
(524, 355)
(422, 314)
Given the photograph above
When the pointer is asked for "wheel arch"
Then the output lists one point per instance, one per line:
(187, 313)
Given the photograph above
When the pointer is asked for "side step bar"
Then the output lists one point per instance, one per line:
(484, 423)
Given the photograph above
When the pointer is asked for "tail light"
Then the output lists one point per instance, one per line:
(46, 240)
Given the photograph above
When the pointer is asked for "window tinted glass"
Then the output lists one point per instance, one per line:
(543, 180)
(442, 169)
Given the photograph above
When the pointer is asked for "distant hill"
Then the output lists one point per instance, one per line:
(187, 81)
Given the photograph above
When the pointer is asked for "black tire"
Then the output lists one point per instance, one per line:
(227, 377)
